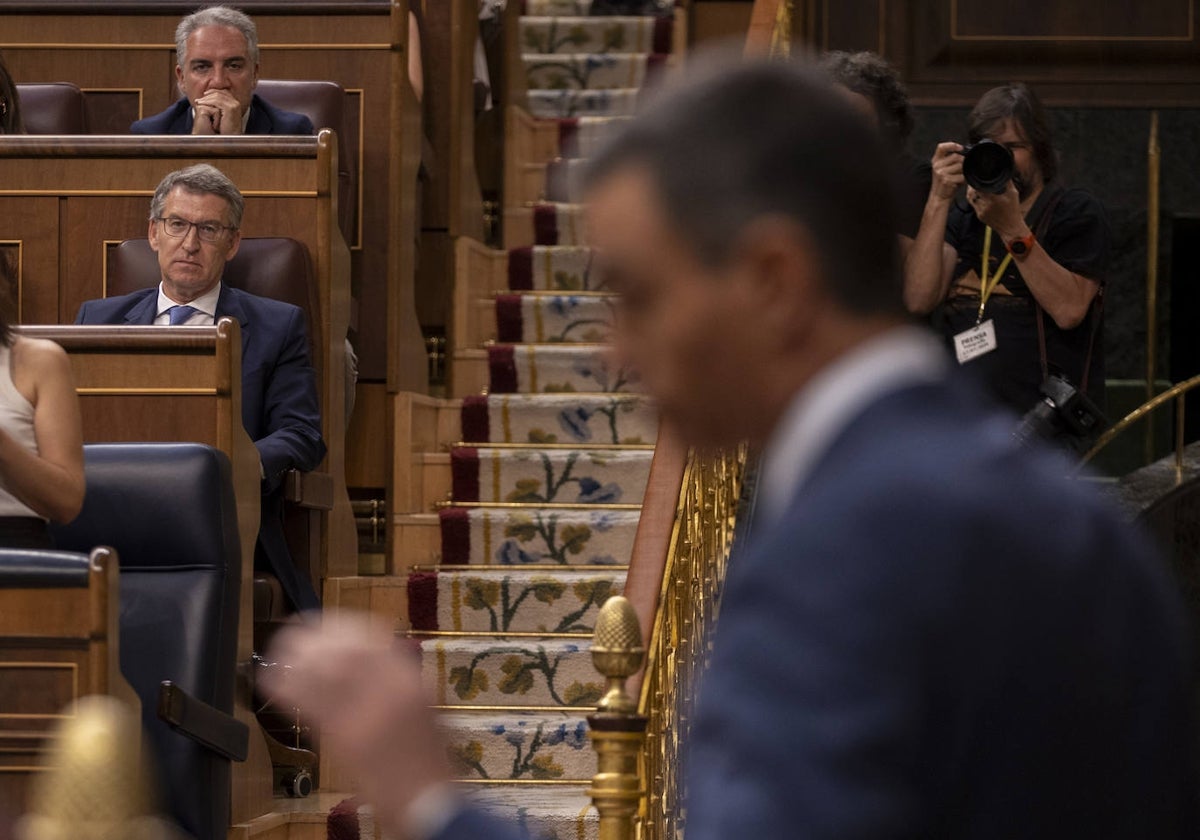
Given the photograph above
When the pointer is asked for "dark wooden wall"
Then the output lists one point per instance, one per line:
(1134, 53)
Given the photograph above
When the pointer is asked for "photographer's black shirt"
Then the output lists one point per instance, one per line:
(1077, 237)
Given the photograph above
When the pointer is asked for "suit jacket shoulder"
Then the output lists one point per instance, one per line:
(176, 119)
(123, 309)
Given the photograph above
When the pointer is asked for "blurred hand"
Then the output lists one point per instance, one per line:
(1001, 212)
(947, 170)
(367, 695)
(218, 112)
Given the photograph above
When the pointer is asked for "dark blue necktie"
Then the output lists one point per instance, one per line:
(180, 314)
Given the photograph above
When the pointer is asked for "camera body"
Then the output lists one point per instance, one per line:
(1064, 415)
(988, 166)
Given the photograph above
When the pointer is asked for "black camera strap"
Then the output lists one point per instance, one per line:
(1039, 222)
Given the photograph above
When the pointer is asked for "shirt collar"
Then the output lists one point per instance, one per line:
(899, 358)
(206, 303)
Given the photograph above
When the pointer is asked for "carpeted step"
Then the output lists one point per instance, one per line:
(553, 268)
(536, 811)
(537, 746)
(549, 476)
(509, 600)
(557, 369)
(573, 102)
(542, 812)
(583, 136)
(559, 418)
(558, 223)
(564, 35)
(517, 672)
(596, 8)
(591, 71)
(511, 536)
(566, 8)
(551, 319)
(564, 179)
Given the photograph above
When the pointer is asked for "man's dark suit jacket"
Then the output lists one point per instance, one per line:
(280, 409)
(265, 118)
(942, 638)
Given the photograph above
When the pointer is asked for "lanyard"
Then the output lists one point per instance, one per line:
(985, 289)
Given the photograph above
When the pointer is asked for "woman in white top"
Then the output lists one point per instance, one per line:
(41, 443)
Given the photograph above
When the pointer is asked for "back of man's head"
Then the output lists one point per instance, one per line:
(740, 142)
(216, 16)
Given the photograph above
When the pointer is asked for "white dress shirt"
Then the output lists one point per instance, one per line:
(205, 306)
(899, 358)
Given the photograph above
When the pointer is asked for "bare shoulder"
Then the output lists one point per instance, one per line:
(39, 357)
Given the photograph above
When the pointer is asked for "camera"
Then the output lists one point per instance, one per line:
(988, 166)
(1063, 415)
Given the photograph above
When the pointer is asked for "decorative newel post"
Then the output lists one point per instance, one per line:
(617, 730)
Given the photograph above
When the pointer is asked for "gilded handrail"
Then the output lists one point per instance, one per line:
(692, 581)
(1175, 392)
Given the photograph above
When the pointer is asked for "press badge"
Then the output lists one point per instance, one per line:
(975, 342)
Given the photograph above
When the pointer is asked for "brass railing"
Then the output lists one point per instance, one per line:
(701, 541)
(1143, 411)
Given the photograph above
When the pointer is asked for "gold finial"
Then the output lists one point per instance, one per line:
(95, 786)
(617, 652)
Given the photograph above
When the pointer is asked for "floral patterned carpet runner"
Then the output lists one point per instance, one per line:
(550, 469)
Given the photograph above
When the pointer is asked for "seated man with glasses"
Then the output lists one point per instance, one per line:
(194, 219)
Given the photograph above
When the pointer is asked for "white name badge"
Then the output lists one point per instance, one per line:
(973, 343)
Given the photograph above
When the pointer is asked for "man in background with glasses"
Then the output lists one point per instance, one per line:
(195, 217)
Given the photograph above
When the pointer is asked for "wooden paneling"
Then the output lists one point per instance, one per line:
(1076, 52)
(56, 645)
(30, 240)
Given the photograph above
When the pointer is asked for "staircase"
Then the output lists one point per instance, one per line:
(520, 495)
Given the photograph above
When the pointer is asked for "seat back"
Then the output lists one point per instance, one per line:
(169, 510)
(272, 267)
(52, 108)
(325, 104)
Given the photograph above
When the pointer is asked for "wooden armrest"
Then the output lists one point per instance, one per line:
(223, 734)
(309, 489)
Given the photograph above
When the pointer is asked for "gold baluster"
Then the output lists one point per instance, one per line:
(618, 731)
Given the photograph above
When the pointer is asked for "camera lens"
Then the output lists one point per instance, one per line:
(988, 166)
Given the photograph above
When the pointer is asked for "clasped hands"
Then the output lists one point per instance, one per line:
(217, 112)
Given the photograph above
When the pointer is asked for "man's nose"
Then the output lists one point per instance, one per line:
(191, 239)
(219, 78)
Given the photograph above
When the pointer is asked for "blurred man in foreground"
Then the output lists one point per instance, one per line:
(894, 658)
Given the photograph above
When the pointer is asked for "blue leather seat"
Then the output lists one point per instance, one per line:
(169, 511)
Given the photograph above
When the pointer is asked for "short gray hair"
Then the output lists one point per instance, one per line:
(215, 16)
(204, 179)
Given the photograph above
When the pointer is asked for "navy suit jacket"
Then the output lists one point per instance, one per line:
(280, 408)
(942, 638)
(265, 118)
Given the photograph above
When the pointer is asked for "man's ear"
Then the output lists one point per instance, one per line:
(235, 240)
(781, 263)
(179, 79)
(152, 235)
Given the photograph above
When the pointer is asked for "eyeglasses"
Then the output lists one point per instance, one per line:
(178, 228)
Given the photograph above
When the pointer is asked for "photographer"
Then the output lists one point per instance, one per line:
(1014, 274)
